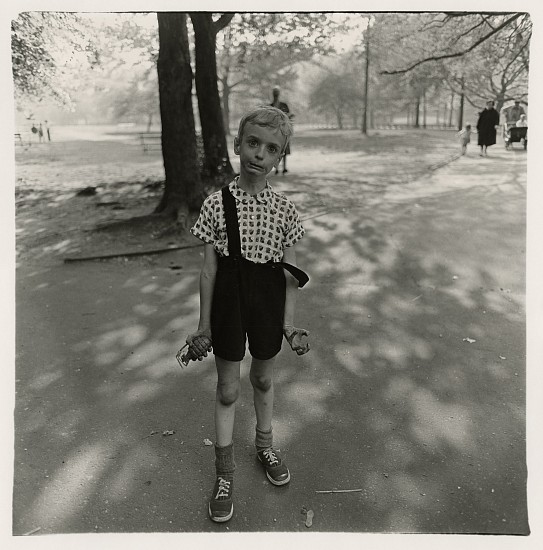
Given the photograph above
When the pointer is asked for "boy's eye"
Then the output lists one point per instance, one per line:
(272, 149)
(252, 142)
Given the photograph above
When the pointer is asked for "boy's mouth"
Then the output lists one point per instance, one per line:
(256, 166)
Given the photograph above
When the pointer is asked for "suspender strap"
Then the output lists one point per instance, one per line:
(232, 225)
(296, 272)
(234, 243)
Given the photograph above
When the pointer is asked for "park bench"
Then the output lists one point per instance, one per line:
(151, 141)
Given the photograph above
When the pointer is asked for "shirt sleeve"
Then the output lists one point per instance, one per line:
(294, 229)
(205, 227)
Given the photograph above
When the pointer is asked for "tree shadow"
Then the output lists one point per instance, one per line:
(393, 400)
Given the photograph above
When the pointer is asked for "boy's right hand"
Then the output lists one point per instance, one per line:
(199, 344)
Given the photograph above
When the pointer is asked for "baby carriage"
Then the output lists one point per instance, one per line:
(514, 134)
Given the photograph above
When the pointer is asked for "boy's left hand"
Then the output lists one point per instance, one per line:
(297, 338)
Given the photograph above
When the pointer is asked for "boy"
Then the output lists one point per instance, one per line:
(465, 137)
(247, 291)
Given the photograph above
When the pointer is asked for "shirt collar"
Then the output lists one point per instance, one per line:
(263, 197)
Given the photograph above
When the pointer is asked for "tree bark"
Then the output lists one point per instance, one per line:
(226, 104)
(183, 189)
(216, 161)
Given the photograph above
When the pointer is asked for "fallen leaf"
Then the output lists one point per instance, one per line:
(208, 443)
(168, 432)
(470, 340)
(502, 357)
(309, 518)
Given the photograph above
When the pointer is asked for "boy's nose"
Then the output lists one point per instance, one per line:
(260, 153)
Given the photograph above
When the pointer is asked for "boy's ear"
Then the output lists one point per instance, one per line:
(236, 145)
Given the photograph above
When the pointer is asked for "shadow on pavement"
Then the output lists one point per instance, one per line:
(393, 399)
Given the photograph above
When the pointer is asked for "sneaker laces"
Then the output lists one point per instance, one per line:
(224, 488)
(271, 457)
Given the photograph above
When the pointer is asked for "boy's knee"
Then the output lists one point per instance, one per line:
(228, 393)
(261, 382)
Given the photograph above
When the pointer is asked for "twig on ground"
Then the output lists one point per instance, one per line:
(32, 532)
(130, 253)
(340, 491)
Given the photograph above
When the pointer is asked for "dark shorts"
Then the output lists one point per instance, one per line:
(248, 304)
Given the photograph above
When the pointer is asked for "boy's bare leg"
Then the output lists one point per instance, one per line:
(261, 377)
(228, 388)
(221, 506)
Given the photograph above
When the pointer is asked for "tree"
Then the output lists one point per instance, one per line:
(216, 162)
(139, 100)
(261, 50)
(338, 92)
(366, 81)
(38, 41)
(183, 190)
(486, 53)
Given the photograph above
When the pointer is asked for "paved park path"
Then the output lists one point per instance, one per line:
(413, 393)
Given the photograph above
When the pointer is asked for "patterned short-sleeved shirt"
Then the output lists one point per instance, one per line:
(268, 223)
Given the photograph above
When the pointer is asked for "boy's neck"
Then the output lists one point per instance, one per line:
(250, 185)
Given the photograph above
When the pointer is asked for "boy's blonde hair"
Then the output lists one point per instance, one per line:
(268, 116)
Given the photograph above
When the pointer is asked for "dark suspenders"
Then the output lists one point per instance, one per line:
(234, 243)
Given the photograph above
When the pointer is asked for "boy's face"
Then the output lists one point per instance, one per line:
(259, 150)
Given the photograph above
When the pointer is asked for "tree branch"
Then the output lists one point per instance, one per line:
(222, 21)
(456, 54)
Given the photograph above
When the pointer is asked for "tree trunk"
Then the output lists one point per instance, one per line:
(366, 83)
(216, 162)
(451, 111)
(183, 189)
(339, 118)
(417, 112)
(424, 109)
(226, 104)
(461, 108)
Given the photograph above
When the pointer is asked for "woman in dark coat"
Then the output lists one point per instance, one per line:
(489, 120)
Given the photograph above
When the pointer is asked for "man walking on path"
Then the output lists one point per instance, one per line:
(283, 107)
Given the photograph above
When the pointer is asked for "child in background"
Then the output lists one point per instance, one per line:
(248, 287)
(465, 137)
(522, 122)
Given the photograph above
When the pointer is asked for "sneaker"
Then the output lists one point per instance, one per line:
(221, 506)
(276, 469)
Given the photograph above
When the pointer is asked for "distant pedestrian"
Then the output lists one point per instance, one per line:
(248, 288)
(34, 130)
(283, 107)
(487, 124)
(48, 131)
(40, 133)
(465, 137)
